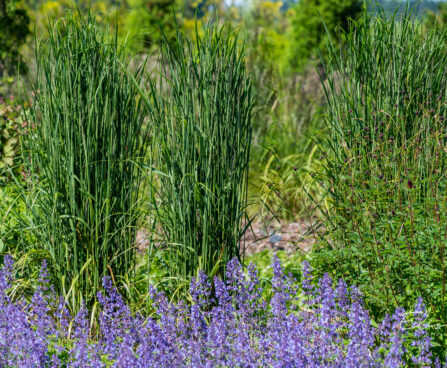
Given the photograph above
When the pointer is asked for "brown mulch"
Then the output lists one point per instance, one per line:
(272, 235)
(281, 235)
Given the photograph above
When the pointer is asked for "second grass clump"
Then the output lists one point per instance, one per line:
(201, 112)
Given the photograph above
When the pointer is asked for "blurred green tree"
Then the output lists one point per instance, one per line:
(264, 26)
(105, 11)
(438, 18)
(307, 26)
(14, 29)
(148, 20)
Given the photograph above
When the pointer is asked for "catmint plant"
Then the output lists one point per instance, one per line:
(229, 323)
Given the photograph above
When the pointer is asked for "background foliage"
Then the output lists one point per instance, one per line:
(310, 22)
(14, 30)
(147, 21)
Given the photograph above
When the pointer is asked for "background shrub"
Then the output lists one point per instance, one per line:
(385, 165)
(147, 21)
(14, 25)
(308, 23)
(438, 18)
(81, 158)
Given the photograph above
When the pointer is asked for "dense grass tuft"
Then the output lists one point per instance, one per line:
(81, 158)
(201, 113)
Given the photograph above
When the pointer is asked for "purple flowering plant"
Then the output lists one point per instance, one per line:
(232, 323)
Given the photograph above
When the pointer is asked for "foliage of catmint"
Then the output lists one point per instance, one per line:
(227, 324)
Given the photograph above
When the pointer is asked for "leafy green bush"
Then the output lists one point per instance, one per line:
(147, 21)
(201, 113)
(14, 25)
(264, 26)
(81, 158)
(307, 30)
(11, 124)
(438, 19)
(14, 31)
(385, 165)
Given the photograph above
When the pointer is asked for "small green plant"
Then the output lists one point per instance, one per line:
(11, 124)
(81, 158)
(385, 165)
(201, 113)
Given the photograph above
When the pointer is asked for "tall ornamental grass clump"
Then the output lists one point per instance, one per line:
(385, 166)
(81, 158)
(201, 113)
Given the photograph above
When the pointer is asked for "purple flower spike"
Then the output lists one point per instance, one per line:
(229, 323)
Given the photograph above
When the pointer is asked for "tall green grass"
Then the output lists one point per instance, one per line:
(81, 158)
(385, 166)
(201, 113)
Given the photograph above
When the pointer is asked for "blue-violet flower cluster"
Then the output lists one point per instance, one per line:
(232, 323)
